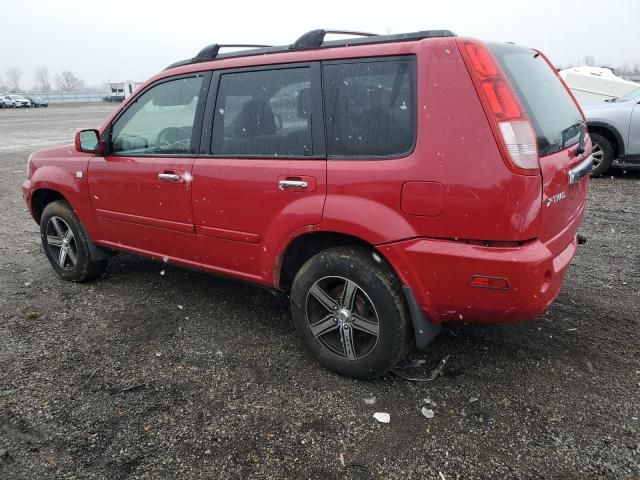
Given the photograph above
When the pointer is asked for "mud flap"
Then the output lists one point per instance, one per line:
(424, 330)
(96, 253)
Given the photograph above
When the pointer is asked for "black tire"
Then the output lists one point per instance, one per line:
(602, 156)
(377, 304)
(76, 265)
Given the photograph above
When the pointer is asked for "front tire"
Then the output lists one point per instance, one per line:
(602, 154)
(66, 245)
(350, 313)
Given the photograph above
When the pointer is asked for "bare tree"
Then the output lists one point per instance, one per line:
(3, 86)
(68, 82)
(589, 61)
(41, 80)
(13, 77)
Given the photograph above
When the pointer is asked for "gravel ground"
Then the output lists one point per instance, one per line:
(182, 375)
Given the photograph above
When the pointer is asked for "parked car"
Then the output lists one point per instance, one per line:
(388, 184)
(38, 102)
(113, 98)
(6, 102)
(20, 101)
(614, 127)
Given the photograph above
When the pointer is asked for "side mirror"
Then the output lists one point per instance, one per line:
(88, 141)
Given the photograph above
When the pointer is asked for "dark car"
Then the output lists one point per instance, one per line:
(387, 184)
(38, 102)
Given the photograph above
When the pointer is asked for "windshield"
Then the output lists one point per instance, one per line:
(555, 116)
(632, 95)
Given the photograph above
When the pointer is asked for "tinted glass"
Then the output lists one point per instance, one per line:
(551, 109)
(264, 113)
(160, 121)
(370, 108)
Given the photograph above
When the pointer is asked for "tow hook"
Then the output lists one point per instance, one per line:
(582, 239)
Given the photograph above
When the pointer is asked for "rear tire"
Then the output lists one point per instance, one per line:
(66, 244)
(602, 154)
(350, 313)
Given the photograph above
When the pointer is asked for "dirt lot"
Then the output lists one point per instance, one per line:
(222, 388)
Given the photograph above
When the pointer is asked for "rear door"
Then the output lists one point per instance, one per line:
(141, 188)
(264, 176)
(557, 121)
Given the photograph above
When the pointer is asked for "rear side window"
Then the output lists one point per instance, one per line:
(264, 114)
(370, 107)
(552, 111)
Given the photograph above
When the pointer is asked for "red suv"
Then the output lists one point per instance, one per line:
(388, 183)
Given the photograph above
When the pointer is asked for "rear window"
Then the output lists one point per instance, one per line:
(264, 114)
(369, 107)
(552, 111)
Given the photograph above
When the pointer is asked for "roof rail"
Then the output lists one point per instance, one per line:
(310, 40)
(211, 52)
(314, 38)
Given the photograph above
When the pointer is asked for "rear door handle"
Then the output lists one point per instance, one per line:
(288, 184)
(169, 177)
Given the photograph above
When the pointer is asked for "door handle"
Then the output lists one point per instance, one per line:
(286, 184)
(169, 177)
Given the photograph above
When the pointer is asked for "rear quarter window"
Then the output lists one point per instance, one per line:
(552, 111)
(370, 107)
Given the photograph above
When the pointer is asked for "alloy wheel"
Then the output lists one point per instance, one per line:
(61, 243)
(342, 317)
(597, 155)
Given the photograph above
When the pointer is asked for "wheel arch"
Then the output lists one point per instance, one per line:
(610, 133)
(304, 246)
(42, 197)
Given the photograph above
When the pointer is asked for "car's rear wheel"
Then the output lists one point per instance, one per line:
(602, 154)
(350, 312)
(66, 245)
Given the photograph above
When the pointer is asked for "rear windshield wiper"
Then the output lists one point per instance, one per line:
(576, 130)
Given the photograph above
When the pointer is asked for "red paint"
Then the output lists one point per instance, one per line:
(230, 216)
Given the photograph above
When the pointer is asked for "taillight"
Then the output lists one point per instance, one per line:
(509, 122)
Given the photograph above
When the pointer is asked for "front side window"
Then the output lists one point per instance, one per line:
(160, 121)
(370, 108)
(264, 113)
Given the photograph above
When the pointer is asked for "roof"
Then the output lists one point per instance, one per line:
(311, 40)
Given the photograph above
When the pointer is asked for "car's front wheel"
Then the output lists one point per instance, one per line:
(66, 245)
(350, 312)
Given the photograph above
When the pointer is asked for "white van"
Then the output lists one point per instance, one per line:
(593, 85)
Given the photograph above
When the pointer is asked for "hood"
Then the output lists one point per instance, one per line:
(62, 151)
(601, 108)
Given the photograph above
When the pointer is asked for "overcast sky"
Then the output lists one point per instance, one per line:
(114, 40)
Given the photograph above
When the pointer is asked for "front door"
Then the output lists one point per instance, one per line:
(141, 188)
(265, 175)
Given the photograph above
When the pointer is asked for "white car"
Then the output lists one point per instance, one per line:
(19, 101)
(6, 102)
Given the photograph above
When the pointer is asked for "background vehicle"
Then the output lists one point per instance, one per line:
(117, 92)
(614, 127)
(6, 102)
(383, 217)
(593, 85)
(38, 102)
(19, 101)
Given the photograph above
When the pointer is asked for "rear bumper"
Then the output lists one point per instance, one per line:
(439, 273)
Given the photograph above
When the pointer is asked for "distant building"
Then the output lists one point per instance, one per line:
(117, 92)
